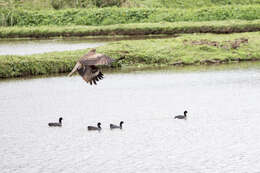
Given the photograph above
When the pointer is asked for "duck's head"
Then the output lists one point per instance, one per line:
(99, 125)
(185, 112)
(60, 119)
(122, 122)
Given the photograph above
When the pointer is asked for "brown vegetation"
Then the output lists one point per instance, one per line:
(226, 44)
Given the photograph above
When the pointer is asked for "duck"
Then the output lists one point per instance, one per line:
(95, 128)
(113, 126)
(181, 116)
(59, 124)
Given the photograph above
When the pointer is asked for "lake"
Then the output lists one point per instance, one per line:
(221, 133)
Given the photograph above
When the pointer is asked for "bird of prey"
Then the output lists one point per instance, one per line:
(87, 66)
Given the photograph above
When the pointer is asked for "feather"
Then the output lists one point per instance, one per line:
(87, 69)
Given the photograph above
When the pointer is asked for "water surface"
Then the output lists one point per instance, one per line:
(34, 46)
(221, 133)
(27, 47)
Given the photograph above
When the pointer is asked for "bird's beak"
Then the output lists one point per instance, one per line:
(78, 65)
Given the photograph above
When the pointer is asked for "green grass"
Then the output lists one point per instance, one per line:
(132, 29)
(151, 52)
(189, 3)
(108, 16)
(171, 51)
(46, 4)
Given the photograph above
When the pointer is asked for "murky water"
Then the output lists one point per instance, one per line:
(33, 46)
(221, 133)
(27, 47)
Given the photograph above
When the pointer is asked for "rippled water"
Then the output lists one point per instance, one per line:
(221, 133)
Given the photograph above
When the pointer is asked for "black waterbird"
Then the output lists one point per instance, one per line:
(113, 126)
(182, 116)
(95, 128)
(59, 124)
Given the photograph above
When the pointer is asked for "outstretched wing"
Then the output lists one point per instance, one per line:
(95, 59)
(86, 66)
(91, 74)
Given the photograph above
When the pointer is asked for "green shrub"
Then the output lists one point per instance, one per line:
(57, 4)
(230, 26)
(105, 16)
(107, 3)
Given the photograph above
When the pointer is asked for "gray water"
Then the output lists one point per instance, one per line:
(27, 47)
(34, 46)
(221, 133)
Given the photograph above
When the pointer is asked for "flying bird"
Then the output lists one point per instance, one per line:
(87, 66)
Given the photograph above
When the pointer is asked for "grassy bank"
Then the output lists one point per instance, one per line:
(108, 16)
(182, 50)
(232, 26)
